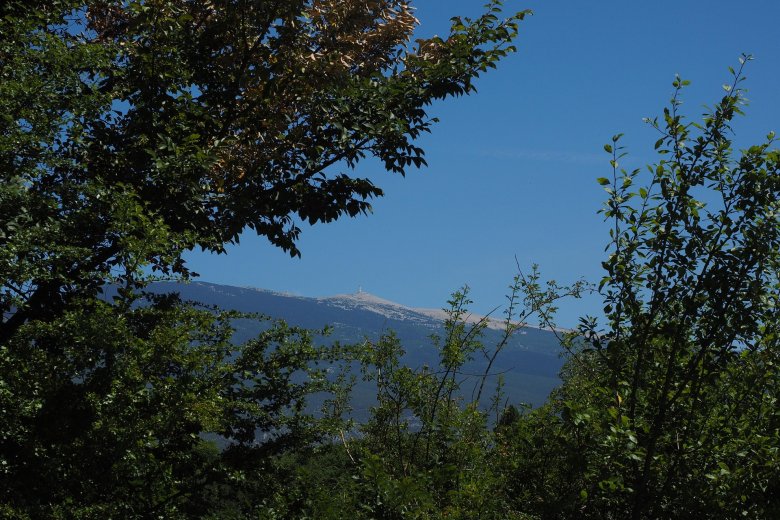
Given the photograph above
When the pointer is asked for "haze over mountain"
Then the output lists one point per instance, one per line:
(530, 362)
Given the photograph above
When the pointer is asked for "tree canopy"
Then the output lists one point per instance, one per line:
(132, 131)
(669, 408)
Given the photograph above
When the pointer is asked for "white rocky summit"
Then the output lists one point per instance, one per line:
(372, 303)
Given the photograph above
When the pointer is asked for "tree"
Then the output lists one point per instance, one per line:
(175, 124)
(428, 448)
(670, 410)
(134, 131)
(132, 411)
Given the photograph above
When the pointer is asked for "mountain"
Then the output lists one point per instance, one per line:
(530, 362)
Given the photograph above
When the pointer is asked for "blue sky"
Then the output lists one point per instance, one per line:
(512, 168)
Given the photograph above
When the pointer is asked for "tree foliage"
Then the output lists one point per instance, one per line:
(133, 131)
(670, 410)
(117, 410)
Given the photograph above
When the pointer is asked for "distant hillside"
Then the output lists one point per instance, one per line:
(530, 362)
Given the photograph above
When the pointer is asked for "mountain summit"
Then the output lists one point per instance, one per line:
(362, 300)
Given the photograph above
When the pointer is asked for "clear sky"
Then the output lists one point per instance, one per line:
(512, 168)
